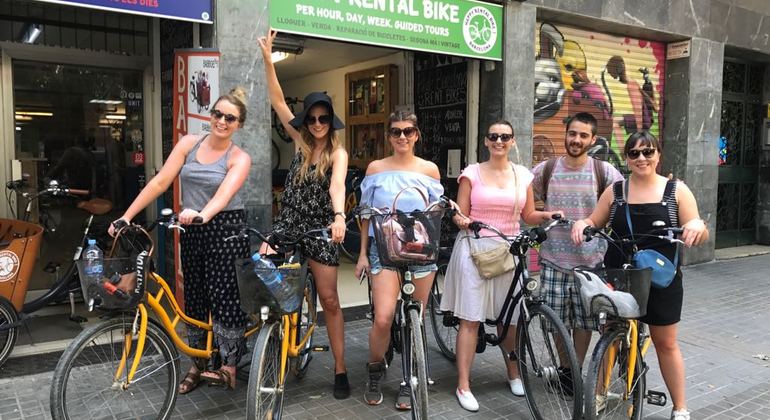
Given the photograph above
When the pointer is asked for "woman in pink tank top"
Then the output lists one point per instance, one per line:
(498, 193)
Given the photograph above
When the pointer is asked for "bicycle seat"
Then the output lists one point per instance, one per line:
(96, 206)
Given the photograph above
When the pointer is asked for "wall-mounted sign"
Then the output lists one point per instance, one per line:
(458, 27)
(679, 49)
(190, 10)
(196, 86)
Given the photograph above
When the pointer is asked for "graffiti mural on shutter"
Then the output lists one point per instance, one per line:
(619, 80)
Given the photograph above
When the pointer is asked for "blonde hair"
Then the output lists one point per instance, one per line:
(306, 149)
(237, 97)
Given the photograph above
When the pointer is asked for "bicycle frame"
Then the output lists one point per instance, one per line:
(634, 348)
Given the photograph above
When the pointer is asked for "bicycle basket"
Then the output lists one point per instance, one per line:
(120, 286)
(626, 295)
(254, 293)
(407, 238)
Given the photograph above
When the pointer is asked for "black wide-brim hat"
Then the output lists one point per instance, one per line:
(316, 98)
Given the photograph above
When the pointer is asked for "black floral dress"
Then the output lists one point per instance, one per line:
(307, 205)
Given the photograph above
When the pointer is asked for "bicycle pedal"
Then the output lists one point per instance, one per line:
(657, 398)
(320, 348)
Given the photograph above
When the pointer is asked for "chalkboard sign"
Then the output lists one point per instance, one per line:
(441, 100)
(441, 96)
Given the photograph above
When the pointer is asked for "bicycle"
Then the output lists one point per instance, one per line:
(349, 248)
(615, 384)
(444, 328)
(19, 248)
(542, 338)
(114, 365)
(408, 329)
(286, 336)
(279, 128)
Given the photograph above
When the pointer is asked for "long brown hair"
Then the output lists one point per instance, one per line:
(306, 150)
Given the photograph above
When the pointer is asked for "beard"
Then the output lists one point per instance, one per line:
(575, 149)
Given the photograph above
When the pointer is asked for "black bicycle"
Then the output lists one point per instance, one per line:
(420, 246)
(543, 347)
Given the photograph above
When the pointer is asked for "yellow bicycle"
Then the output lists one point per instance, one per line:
(285, 341)
(127, 365)
(615, 383)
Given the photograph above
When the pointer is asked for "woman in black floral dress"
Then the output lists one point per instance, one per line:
(315, 198)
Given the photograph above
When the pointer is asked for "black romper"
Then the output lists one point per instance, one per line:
(307, 205)
(665, 305)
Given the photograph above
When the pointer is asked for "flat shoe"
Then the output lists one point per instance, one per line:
(222, 378)
(190, 382)
(517, 388)
(467, 400)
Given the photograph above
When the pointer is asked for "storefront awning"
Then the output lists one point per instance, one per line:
(189, 10)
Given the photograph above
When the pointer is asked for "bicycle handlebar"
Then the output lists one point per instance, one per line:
(279, 240)
(525, 239)
(591, 232)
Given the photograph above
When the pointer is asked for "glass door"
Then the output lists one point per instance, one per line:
(83, 127)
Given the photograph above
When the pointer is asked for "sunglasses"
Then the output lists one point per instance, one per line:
(229, 118)
(323, 119)
(634, 154)
(505, 138)
(407, 132)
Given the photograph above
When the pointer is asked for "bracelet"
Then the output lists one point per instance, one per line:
(339, 213)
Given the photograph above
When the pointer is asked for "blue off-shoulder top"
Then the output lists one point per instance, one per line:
(380, 189)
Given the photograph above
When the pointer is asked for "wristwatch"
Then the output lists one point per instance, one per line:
(339, 213)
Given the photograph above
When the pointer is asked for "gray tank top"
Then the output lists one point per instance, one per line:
(200, 182)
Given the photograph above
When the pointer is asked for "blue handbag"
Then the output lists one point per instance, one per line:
(663, 270)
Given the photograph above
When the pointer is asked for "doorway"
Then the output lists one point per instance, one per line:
(740, 134)
(83, 127)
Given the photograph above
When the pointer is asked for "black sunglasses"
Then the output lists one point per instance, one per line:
(634, 154)
(407, 132)
(229, 118)
(505, 138)
(323, 119)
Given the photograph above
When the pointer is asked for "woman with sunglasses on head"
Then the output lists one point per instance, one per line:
(405, 173)
(314, 198)
(649, 197)
(211, 170)
(498, 193)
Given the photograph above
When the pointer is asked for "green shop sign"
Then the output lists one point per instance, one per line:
(458, 27)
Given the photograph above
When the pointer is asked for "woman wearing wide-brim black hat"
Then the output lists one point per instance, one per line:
(314, 197)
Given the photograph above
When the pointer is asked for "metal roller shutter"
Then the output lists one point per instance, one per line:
(619, 80)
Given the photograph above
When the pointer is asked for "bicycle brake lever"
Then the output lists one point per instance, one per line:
(174, 226)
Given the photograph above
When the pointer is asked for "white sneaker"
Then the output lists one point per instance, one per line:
(467, 400)
(517, 388)
(680, 415)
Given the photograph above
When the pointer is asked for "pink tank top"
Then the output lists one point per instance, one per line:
(495, 206)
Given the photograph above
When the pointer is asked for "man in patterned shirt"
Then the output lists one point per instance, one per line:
(572, 184)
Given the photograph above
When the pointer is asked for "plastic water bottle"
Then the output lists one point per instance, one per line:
(94, 261)
(272, 278)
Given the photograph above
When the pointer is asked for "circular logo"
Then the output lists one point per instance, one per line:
(205, 16)
(479, 29)
(9, 265)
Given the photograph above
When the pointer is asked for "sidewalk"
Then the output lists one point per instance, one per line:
(723, 332)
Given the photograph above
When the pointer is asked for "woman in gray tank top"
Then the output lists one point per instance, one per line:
(314, 198)
(212, 170)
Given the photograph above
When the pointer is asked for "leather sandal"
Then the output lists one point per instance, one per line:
(190, 382)
(222, 378)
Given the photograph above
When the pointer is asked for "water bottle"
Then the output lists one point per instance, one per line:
(272, 278)
(94, 262)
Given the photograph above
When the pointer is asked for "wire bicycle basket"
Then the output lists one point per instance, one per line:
(254, 293)
(407, 238)
(618, 292)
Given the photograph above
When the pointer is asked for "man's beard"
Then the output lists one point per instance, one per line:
(582, 150)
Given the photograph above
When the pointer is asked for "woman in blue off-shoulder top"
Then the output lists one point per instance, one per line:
(386, 178)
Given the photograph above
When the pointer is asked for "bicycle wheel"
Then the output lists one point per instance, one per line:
(549, 394)
(606, 395)
(418, 371)
(85, 385)
(445, 335)
(265, 392)
(7, 336)
(280, 129)
(275, 157)
(306, 316)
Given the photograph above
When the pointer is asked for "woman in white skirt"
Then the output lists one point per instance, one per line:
(498, 193)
